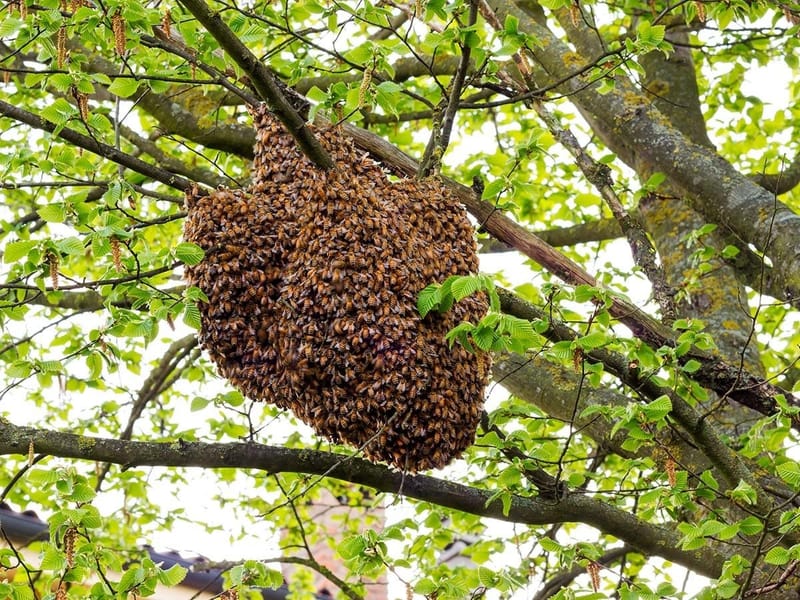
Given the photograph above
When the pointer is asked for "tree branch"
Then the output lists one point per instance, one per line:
(440, 136)
(558, 582)
(171, 163)
(783, 181)
(599, 176)
(729, 463)
(404, 69)
(156, 383)
(574, 507)
(262, 81)
(226, 565)
(592, 231)
(96, 147)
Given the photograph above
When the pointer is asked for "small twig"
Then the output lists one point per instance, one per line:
(771, 587)
(561, 580)
(440, 137)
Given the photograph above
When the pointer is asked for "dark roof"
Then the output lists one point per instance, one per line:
(26, 527)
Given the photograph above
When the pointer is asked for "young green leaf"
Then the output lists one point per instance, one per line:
(53, 213)
(16, 250)
(188, 253)
(124, 87)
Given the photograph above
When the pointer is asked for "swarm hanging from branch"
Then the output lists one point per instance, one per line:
(312, 277)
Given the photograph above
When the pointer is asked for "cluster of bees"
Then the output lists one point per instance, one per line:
(312, 278)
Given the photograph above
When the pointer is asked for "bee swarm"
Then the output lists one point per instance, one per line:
(312, 278)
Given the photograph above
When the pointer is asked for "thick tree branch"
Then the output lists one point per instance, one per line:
(571, 507)
(262, 80)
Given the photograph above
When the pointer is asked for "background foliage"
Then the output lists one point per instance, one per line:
(643, 444)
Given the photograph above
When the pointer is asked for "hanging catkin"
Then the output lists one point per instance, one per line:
(312, 278)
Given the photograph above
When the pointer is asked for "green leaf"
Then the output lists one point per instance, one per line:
(548, 544)
(71, 245)
(789, 471)
(94, 362)
(562, 350)
(750, 525)
(426, 587)
(189, 253)
(53, 213)
(101, 78)
(596, 339)
(351, 547)
(82, 493)
(726, 589)
(9, 25)
(461, 334)
(486, 577)
(744, 493)
(191, 315)
(691, 366)
(428, 299)
(53, 560)
(124, 86)
(658, 408)
(777, 556)
(198, 403)
(131, 578)
(16, 250)
(464, 286)
(708, 478)
(515, 327)
(585, 293)
(729, 252)
(485, 338)
(19, 369)
(388, 95)
(172, 576)
(655, 180)
(511, 25)
(195, 294)
(493, 189)
(233, 398)
(59, 112)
